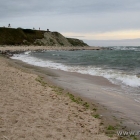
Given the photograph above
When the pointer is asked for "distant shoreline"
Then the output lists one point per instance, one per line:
(10, 50)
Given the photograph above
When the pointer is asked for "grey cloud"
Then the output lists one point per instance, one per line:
(81, 16)
(125, 42)
(10, 8)
(98, 23)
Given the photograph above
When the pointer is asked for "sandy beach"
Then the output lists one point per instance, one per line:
(32, 109)
(36, 48)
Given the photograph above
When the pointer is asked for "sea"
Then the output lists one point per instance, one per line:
(119, 64)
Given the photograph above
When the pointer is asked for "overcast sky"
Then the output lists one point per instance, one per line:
(84, 19)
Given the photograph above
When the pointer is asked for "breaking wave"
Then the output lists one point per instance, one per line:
(115, 76)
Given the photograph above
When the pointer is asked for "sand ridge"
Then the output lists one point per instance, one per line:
(31, 111)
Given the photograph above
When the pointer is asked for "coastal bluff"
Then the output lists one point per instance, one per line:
(19, 36)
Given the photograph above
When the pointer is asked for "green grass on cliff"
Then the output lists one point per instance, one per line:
(76, 42)
(10, 36)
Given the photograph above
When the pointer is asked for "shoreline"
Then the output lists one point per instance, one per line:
(18, 49)
(104, 100)
(23, 91)
(54, 77)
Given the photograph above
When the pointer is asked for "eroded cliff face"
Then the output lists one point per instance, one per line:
(57, 39)
(53, 39)
(10, 36)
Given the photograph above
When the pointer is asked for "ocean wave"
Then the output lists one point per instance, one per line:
(114, 76)
(27, 52)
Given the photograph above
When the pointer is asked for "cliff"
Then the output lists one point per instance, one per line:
(19, 36)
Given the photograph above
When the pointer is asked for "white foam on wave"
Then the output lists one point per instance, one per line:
(126, 48)
(28, 52)
(38, 62)
(116, 77)
(112, 75)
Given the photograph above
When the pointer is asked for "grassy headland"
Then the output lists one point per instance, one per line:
(19, 36)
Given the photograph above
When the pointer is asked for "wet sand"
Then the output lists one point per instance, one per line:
(98, 89)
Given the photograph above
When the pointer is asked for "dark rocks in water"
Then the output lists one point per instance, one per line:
(6, 53)
(9, 53)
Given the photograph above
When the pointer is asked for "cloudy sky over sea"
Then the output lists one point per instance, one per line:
(99, 22)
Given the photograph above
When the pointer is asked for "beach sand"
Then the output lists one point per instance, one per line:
(31, 109)
(35, 48)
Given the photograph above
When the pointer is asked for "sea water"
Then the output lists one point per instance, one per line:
(120, 65)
